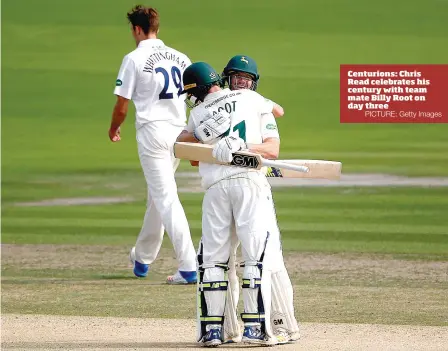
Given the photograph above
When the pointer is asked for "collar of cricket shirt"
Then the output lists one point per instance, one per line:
(151, 42)
(214, 95)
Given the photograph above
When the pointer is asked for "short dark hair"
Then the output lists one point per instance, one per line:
(147, 18)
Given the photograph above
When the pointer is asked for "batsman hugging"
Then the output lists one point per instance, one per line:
(231, 135)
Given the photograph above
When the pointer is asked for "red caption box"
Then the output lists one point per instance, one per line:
(394, 94)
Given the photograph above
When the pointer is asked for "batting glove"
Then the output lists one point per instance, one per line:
(213, 127)
(223, 150)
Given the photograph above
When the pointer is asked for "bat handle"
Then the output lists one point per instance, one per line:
(279, 164)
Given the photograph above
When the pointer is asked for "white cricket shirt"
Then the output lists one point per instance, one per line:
(251, 119)
(151, 76)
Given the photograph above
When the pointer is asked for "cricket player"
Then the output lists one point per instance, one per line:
(234, 196)
(151, 76)
(241, 72)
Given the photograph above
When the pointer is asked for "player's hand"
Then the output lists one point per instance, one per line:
(213, 127)
(223, 150)
(114, 134)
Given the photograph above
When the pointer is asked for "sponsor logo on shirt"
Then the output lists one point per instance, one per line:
(118, 83)
(271, 126)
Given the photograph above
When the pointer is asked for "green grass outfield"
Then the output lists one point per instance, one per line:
(379, 220)
(59, 65)
(59, 69)
(344, 248)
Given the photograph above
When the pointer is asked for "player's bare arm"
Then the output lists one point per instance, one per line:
(277, 111)
(188, 137)
(269, 149)
(118, 117)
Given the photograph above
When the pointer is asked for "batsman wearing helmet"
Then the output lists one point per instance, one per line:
(241, 72)
(235, 197)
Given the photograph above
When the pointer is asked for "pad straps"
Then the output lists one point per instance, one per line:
(205, 318)
(253, 283)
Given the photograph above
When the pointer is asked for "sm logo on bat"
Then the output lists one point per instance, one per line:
(246, 161)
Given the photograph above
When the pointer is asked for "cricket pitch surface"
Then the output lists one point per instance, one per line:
(40, 332)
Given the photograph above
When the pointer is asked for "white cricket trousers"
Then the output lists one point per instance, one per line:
(155, 141)
(240, 200)
(243, 202)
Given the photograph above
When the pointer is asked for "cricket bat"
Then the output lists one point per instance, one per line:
(204, 153)
(285, 169)
(318, 169)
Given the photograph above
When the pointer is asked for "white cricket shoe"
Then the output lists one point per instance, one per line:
(285, 337)
(182, 278)
(294, 336)
(282, 337)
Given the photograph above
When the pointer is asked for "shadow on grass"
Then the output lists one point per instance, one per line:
(148, 280)
(116, 277)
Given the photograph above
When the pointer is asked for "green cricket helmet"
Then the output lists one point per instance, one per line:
(198, 78)
(241, 64)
